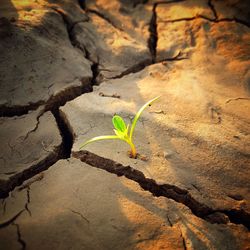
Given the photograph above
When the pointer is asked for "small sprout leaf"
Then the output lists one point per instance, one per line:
(122, 131)
(119, 133)
(119, 123)
(127, 129)
(137, 116)
(100, 138)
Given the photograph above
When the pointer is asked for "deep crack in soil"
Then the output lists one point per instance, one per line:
(210, 4)
(15, 110)
(57, 100)
(82, 4)
(152, 40)
(61, 152)
(18, 179)
(165, 190)
(65, 131)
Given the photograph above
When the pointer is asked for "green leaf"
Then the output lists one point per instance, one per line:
(100, 138)
(119, 123)
(138, 115)
(119, 133)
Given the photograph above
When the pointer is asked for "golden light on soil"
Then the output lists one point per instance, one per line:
(67, 67)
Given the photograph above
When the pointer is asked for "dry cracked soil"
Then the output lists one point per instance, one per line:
(67, 66)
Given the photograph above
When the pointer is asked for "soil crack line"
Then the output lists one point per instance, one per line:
(183, 240)
(36, 126)
(80, 214)
(19, 236)
(139, 67)
(170, 1)
(11, 220)
(4, 206)
(63, 151)
(104, 17)
(74, 42)
(69, 26)
(54, 101)
(134, 69)
(68, 94)
(236, 99)
(169, 221)
(16, 110)
(165, 190)
(28, 201)
(236, 20)
(65, 131)
(178, 57)
(153, 37)
(210, 4)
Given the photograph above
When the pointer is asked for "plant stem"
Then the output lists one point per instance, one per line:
(133, 150)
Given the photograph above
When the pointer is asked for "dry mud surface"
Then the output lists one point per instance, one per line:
(67, 67)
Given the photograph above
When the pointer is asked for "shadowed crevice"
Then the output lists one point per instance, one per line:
(65, 131)
(153, 37)
(18, 110)
(210, 4)
(166, 190)
(95, 71)
(82, 4)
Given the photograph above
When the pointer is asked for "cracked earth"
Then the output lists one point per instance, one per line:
(67, 67)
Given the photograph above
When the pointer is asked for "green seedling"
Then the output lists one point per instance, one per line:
(122, 131)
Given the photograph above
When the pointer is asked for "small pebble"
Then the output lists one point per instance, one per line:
(167, 154)
(143, 158)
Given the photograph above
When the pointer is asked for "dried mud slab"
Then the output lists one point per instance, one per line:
(29, 144)
(189, 186)
(232, 9)
(38, 60)
(183, 10)
(115, 38)
(81, 207)
(69, 9)
(129, 16)
(192, 137)
(200, 34)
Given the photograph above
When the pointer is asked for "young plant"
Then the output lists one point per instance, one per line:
(122, 131)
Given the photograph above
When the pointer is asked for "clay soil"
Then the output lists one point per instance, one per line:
(67, 67)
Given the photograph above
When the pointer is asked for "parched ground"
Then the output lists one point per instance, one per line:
(66, 67)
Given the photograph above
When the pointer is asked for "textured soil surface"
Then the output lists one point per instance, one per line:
(67, 67)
